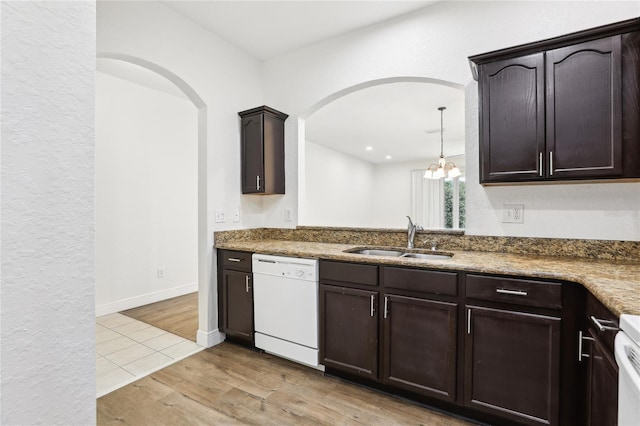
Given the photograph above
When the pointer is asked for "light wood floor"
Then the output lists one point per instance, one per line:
(228, 384)
(178, 315)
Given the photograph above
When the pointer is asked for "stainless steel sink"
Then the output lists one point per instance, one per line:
(402, 253)
(379, 252)
(428, 256)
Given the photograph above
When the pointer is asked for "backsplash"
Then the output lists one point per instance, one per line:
(445, 240)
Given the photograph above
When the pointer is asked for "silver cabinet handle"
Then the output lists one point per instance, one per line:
(258, 183)
(511, 292)
(246, 284)
(373, 299)
(601, 327)
(580, 339)
(234, 259)
(386, 306)
(468, 321)
(550, 163)
(540, 164)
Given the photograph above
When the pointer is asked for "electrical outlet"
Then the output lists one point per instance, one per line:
(219, 216)
(512, 213)
(236, 215)
(287, 215)
(160, 272)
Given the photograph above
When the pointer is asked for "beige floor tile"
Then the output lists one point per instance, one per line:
(111, 346)
(182, 349)
(164, 341)
(114, 320)
(129, 354)
(131, 327)
(103, 366)
(112, 380)
(148, 363)
(100, 328)
(106, 335)
(146, 334)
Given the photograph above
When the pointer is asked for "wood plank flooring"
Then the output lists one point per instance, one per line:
(178, 315)
(229, 384)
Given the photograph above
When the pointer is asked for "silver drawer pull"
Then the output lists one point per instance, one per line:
(373, 299)
(511, 292)
(550, 163)
(234, 259)
(600, 327)
(246, 283)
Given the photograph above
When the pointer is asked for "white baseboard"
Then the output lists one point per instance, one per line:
(144, 299)
(210, 339)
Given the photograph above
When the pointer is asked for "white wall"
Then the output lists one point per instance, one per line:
(227, 80)
(47, 340)
(339, 188)
(435, 43)
(392, 193)
(146, 195)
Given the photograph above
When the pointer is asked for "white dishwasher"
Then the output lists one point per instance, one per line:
(285, 307)
(627, 350)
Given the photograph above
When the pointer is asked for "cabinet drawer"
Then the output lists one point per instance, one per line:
(435, 282)
(236, 260)
(515, 291)
(345, 272)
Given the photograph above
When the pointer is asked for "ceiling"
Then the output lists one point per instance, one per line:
(397, 119)
(266, 29)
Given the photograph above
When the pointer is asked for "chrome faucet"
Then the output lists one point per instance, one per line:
(411, 232)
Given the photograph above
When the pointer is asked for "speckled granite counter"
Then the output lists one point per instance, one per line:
(616, 283)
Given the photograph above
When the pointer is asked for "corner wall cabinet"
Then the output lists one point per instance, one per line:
(562, 109)
(262, 150)
(235, 296)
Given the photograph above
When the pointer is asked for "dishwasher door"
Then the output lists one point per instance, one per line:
(285, 307)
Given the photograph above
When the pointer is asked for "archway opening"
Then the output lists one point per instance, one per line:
(199, 189)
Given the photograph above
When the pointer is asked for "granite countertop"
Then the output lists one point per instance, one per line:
(615, 283)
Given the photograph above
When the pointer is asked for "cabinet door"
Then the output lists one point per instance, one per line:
(252, 154)
(349, 330)
(584, 109)
(512, 365)
(420, 345)
(602, 386)
(512, 119)
(237, 292)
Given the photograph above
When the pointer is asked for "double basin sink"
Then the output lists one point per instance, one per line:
(401, 253)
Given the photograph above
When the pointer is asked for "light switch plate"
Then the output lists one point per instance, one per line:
(219, 215)
(287, 215)
(512, 213)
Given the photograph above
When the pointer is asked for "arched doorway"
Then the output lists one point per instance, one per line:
(204, 291)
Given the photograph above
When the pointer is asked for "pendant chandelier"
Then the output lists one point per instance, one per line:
(442, 169)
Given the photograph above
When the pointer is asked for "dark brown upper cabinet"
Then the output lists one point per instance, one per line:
(262, 150)
(562, 109)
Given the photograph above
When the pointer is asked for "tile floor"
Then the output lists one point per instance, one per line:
(128, 349)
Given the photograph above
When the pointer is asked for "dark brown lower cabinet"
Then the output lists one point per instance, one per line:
(602, 386)
(349, 330)
(237, 293)
(512, 365)
(419, 345)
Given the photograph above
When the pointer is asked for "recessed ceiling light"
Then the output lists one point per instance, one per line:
(369, 148)
(388, 157)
